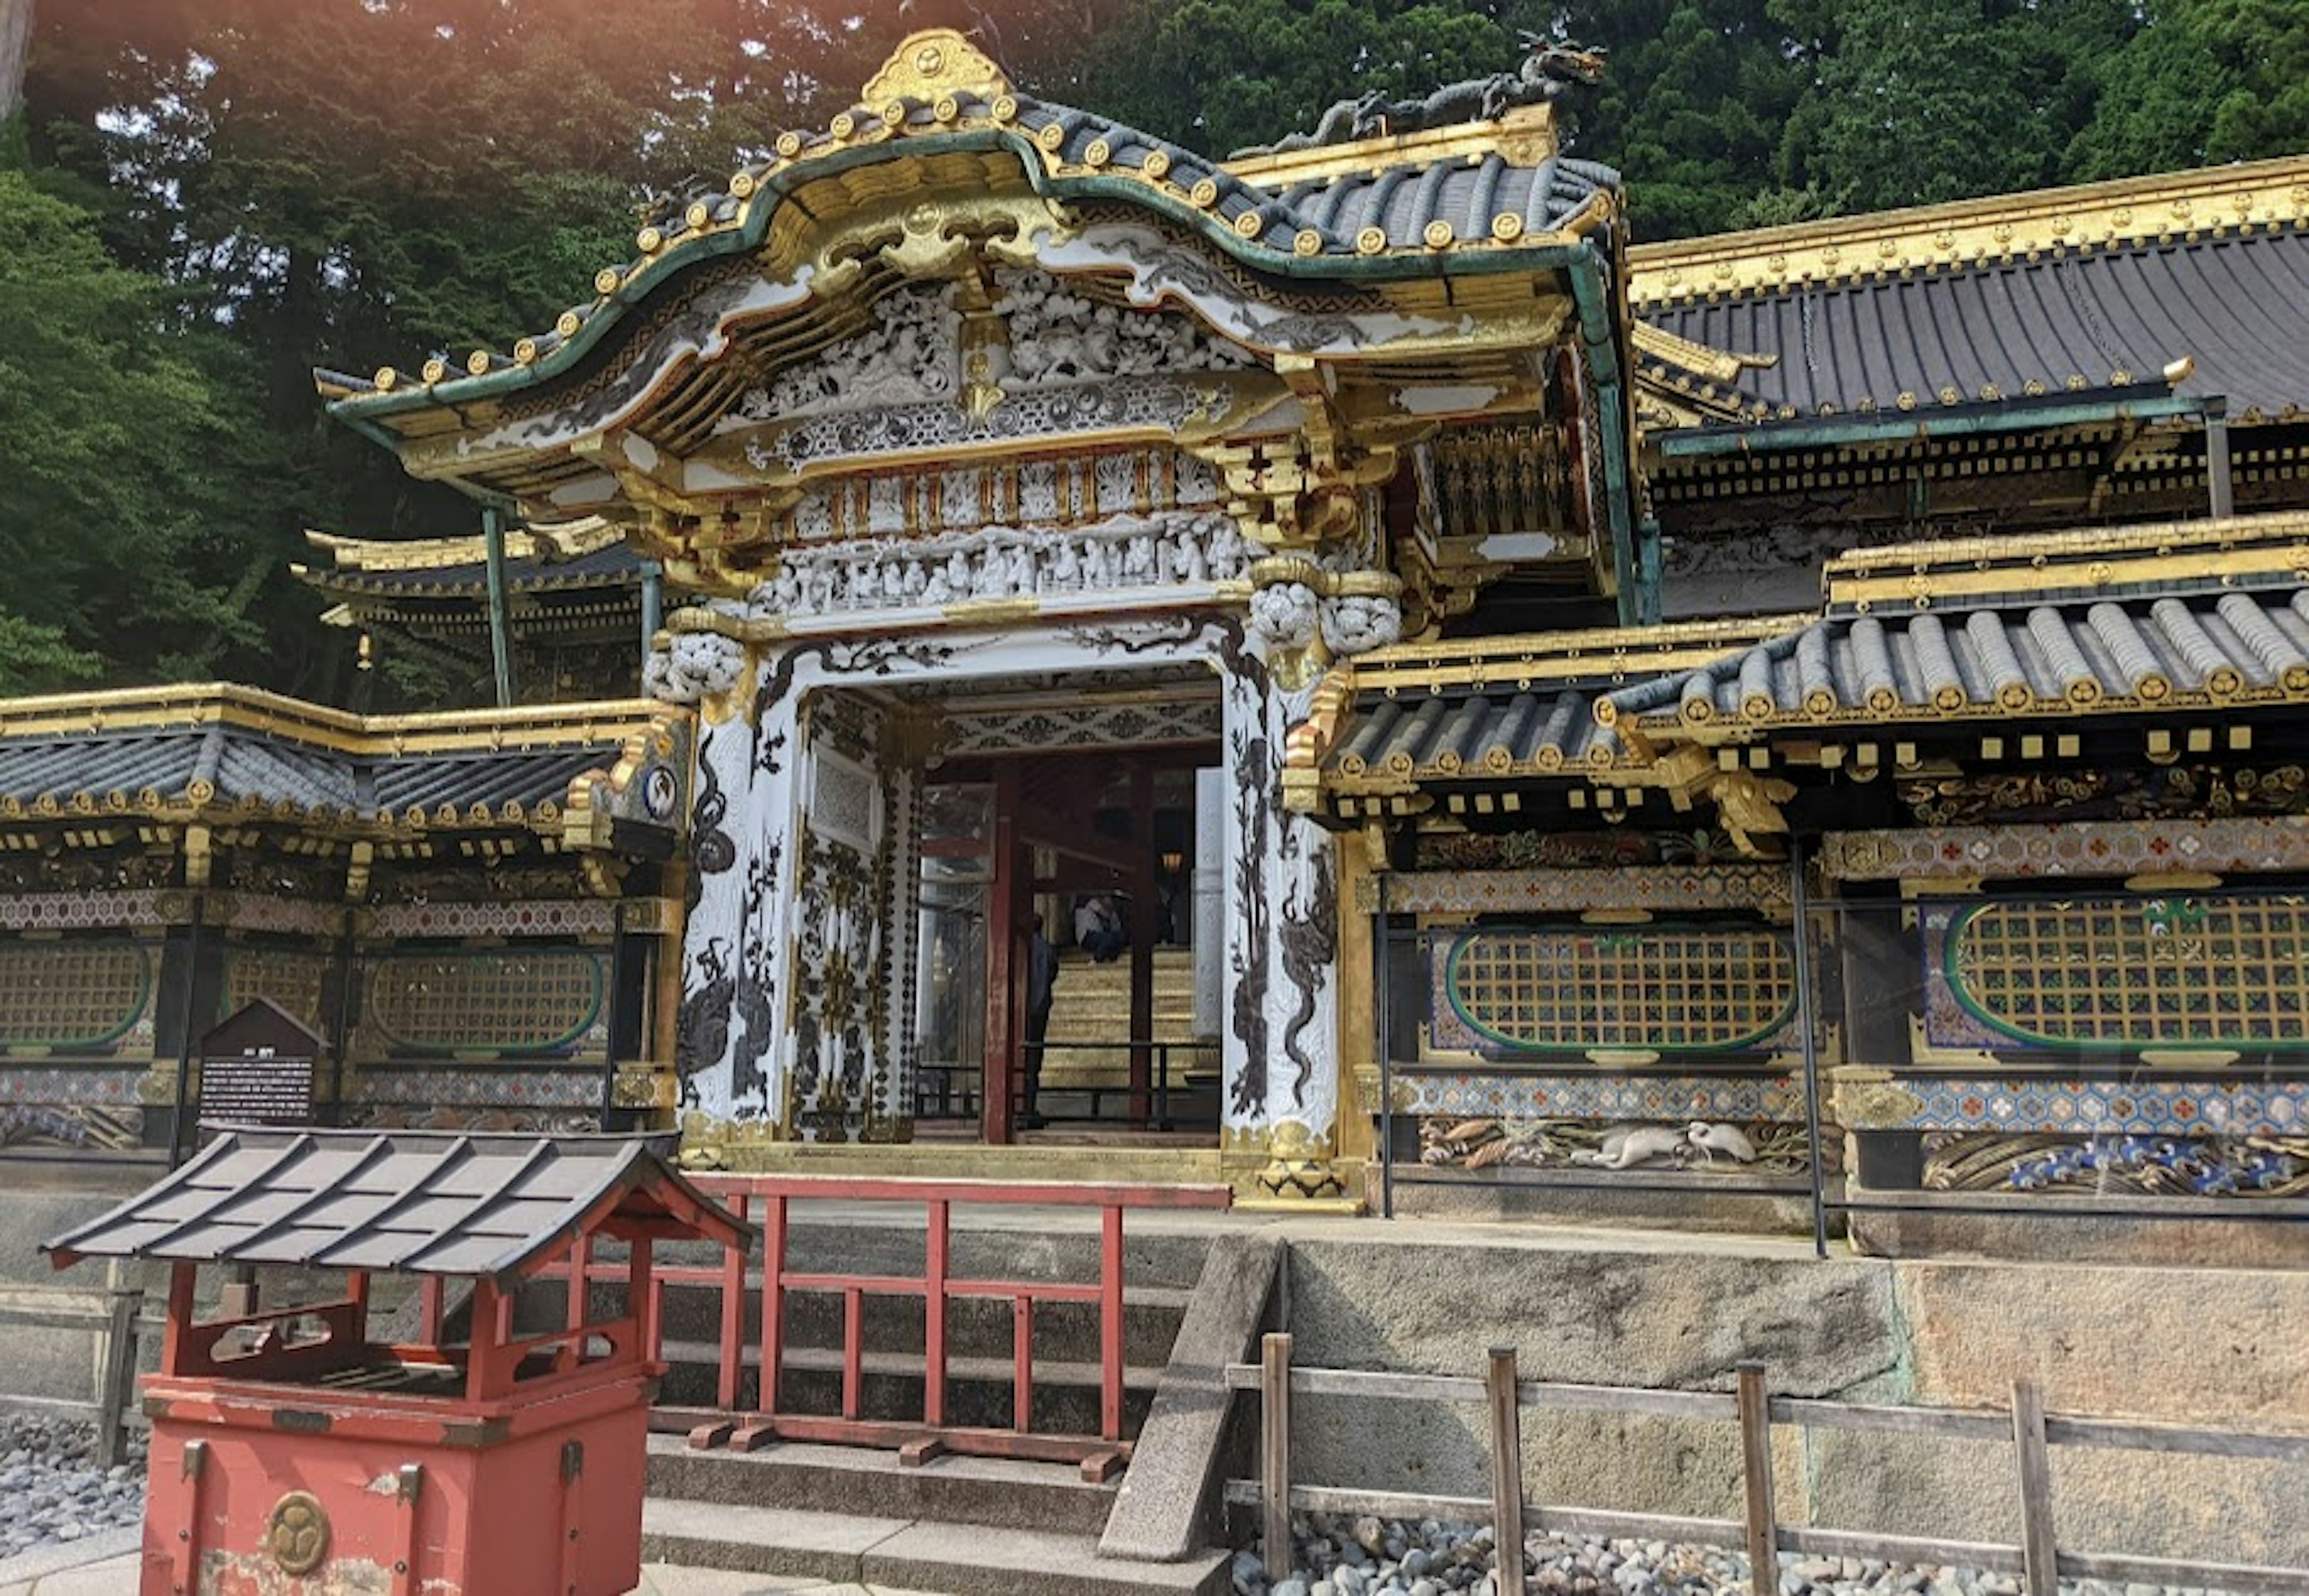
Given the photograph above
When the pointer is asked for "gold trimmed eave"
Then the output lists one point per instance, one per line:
(580, 776)
(1466, 718)
(2240, 200)
(2152, 622)
(1535, 216)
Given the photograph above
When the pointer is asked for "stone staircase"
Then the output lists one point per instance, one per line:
(957, 1526)
(1091, 1003)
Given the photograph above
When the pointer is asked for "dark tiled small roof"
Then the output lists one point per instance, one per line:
(228, 750)
(2012, 329)
(400, 1201)
(1477, 735)
(2196, 644)
(614, 567)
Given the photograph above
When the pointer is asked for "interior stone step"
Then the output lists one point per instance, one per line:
(916, 1555)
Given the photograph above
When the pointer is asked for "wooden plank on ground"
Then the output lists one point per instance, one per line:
(2040, 1561)
(1507, 1471)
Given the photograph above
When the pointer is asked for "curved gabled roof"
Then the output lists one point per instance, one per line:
(1426, 205)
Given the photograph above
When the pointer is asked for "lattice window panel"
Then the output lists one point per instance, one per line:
(1657, 991)
(292, 980)
(2136, 972)
(70, 993)
(498, 1001)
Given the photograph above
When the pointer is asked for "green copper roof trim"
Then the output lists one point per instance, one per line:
(1401, 265)
(1762, 437)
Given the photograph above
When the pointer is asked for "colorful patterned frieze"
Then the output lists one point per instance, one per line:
(1466, 1095)
(491, 1087)
(1874, 1099)
(24, 1084)
(1628, 993)
(1569, 891)
(2072, 848)
(281, 917)
(2168, 976)
(571, 917)
(79, 911)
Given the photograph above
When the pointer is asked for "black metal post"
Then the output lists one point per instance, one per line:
(1382, 1005)
(500, 618)
(1808, 1020)
(652, 605)
(186, 1041)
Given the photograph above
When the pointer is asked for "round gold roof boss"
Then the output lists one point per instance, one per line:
(478, 362)
(1205, 194)
(436, 369)
(1157, 164)
(1506, 227)
(1438, 234)
(1370, 240)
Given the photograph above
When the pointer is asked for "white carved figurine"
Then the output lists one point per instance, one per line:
(1626, 1146)
(1285, 613)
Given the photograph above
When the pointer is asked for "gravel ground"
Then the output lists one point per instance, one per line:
(1370, 1556)
(52, 1489)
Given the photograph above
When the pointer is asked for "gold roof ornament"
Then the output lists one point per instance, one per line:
(934, 64)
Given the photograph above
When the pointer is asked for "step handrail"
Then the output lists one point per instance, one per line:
(767, 1200)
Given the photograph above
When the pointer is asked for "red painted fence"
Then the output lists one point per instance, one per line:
(767, 1200)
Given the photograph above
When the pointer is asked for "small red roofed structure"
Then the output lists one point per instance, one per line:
(294, 1452)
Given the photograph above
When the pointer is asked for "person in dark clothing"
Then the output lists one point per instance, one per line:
(1041, 985)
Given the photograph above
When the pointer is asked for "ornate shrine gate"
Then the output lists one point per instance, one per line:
(970, 388)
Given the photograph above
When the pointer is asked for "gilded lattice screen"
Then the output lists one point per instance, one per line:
(2115, 971)
(1661, 990)
(289, 978)
(505, 1001)
(72, 996)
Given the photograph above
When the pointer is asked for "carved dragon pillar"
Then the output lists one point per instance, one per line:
(1315, 601)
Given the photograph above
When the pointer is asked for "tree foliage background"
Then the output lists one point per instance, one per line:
(202, 199)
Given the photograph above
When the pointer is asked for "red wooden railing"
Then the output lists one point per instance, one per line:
(767, 1201)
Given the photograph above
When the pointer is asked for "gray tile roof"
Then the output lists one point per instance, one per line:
(616, 565)
(227, 766)
(1306, 224)
(2056, 652)
(1474, 735)
(401, 1201)
(2238, 306)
